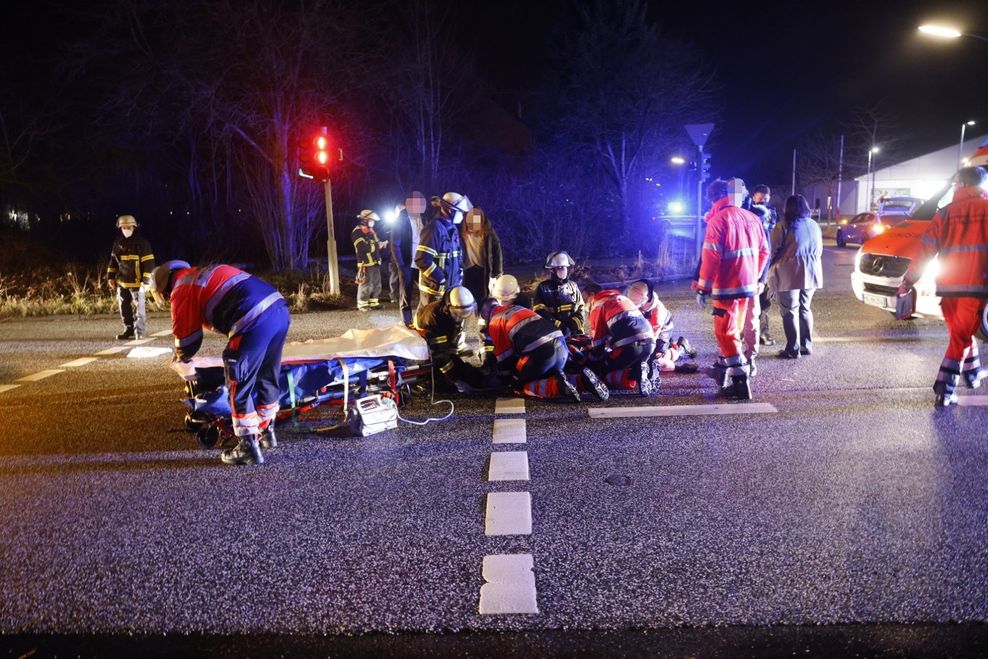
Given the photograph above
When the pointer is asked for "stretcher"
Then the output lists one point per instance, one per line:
(384, 361)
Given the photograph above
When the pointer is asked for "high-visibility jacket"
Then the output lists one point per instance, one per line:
(735, 252)
(560, 301)
(515, 331)
(366, 244)
(441, 332)
(220, 298)
(131, 262)
(658, 317)
(439, 258)
(958, 235)
(615, 321)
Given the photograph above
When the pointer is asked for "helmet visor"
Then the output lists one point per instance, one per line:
(462, 313)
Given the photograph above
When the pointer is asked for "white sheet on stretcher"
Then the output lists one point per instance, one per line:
(394, 341)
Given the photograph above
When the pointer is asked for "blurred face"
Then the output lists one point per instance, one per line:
(561, 271)
(760, 198)
(474, 223)
(415, 204)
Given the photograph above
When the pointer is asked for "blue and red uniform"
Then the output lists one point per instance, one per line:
(253, 316)
(528, 348)
(621, 338)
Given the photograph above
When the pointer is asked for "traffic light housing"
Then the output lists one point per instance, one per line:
(704, 166)
(313, 155)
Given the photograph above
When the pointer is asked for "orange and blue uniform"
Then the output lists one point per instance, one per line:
(621, 339)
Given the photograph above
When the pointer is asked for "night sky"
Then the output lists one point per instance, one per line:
(786, 68)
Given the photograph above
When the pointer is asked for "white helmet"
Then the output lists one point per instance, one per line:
(506, 289)
(126, 221)
(367, 215)
(456, 205)
(558, 260)
(461, 302)
(161, 277)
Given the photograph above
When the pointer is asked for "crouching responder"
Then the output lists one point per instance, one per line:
(958, 236)
(529, 354)
(669, 355)
(441, 324)
(622, 341)
(735, 251)
(254, 317)
(507, 291)
(129, 274)
(368, 249)
(558, 297)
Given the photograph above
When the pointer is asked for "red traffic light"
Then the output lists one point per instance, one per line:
(313, 155)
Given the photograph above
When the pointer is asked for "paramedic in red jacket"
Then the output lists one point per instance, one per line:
(254, 317)
(735, 251)
(958, 237)
(668, 353)
(622, 341)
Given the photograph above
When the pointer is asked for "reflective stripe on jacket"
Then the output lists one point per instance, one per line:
(516, 331)
(735, 251)
(366, 245)
(439, 258)
(131, 262)
(560, 302)
(615, 321)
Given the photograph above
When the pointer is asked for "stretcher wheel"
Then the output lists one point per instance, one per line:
(208, 437)
(195, 421)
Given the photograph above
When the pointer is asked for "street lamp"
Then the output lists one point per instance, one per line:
(871, 170)
(677, 160)
(960, 149)
(945, 32)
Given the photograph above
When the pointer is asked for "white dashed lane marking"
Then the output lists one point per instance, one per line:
(510, 586)
(510, 431)
(681, 410)
(7, 387)
(508, 513)
(508, 466)
(972, 401)
(509, 406)
(40, 375)
(111, 351)
(76, 363)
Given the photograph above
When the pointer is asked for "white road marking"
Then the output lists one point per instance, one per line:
(681, 410)
(508, 513)
(7, 387)
(41, 375)
(166, 332)
(82, 361)
(509, 406)
(973, 401)
(138, 342)
(142, 352)
(509, 466)
(510, 431)
(510, 585)
(110, 351)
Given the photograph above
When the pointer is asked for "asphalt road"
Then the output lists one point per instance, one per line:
(855, 502)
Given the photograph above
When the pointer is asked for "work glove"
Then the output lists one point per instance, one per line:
(111, 284)
(145, 287)
(701, 299)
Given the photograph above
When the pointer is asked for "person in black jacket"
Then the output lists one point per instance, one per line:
(129, 273)
(438, 257)
(405, 235)
(483, 262)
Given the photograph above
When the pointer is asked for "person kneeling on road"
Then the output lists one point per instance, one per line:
(441, 324)
(529, 354)
(621, 341)
(255, 318)
(668, 355)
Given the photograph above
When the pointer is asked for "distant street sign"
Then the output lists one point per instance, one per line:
(699, 133)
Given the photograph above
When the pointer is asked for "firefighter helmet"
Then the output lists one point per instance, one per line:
(558, 260)
(506, 288)
(367, 215)
(126, 221)
(161, 279)
(455, 205)
(639, 292)
(461, 303)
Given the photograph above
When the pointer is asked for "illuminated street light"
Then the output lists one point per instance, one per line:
(871, 170)
(677, 160)
(944, 32)
(960, 149)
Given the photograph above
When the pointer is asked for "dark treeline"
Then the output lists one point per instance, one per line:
(187, 115)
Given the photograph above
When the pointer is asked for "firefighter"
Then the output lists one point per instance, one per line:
(530, 354)
(507, 291)
(368, 249)
(441, 324)
(621, 341)
(958, 237)
(254, 317)
(558, 297)
(129, 274)
(668, 354)
(439, 258)
(734, 255)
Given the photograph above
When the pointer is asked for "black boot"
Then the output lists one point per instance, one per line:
(644, 381)
(684, 343)
(741, 387)
(127, 335)
(597, 386)
(268, 438)
(566, 387)
(246, 452)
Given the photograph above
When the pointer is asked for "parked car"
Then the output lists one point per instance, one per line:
(865, 226)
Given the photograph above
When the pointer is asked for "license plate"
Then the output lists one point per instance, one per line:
(875, 300)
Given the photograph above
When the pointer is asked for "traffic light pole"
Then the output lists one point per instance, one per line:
(333, 266)
(698, 233)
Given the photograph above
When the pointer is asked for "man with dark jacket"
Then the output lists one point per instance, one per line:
(756, 322)
(129, 273)
(405, 236)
